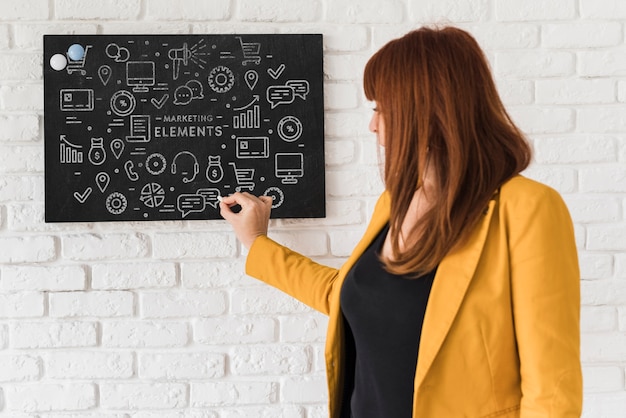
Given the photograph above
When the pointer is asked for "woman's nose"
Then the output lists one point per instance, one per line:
(373, 127)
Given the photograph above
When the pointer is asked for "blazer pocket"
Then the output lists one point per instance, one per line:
(511, 412)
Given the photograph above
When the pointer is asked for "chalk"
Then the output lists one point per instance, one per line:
(220, 198)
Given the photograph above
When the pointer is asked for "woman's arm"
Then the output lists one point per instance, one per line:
(546, 302)
(272, 263)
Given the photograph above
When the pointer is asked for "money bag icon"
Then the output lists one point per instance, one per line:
(215, 172)
(97, 155)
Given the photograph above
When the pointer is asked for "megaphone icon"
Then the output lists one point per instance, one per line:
(177, 56)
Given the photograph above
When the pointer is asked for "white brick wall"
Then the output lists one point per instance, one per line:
(155, 320)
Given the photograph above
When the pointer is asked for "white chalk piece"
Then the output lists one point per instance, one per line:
(58, 62)
(220, 198)
(76, 52)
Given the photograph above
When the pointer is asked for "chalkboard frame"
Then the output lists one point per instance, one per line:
(205, 116)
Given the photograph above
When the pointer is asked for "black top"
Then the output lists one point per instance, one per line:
(383, 317)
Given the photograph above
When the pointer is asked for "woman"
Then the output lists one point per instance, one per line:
(462, 298)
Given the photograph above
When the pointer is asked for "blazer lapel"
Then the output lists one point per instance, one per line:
(452, 279)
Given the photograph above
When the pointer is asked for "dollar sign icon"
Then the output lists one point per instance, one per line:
(97, 155)
(215, 172)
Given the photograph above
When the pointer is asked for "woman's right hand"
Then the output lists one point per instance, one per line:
(253, 218)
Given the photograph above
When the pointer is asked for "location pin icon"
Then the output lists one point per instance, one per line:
(104, 72)
(102, 180)
(251, 77)
(117, 146)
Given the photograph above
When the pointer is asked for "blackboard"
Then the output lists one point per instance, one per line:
(157, 127)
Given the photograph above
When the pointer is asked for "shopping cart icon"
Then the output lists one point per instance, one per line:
(77, 65)
(244, 178)
(250, 52)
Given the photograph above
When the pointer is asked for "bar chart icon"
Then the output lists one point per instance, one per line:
(70, 153)
(249, 116)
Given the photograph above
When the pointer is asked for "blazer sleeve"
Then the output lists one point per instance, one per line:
(545, 281)
(291, 272)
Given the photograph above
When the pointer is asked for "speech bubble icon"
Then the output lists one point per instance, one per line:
(300, 88)
(196, 89)
(278, 95)
(188, 203)
(211, 196)
(183, 95)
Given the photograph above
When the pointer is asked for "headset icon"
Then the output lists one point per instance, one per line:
(196, 167)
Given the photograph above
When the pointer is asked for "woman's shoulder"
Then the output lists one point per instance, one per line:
(523, 193)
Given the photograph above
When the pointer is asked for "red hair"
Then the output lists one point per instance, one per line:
(439, 104)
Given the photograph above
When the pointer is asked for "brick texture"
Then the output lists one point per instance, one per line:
(158, 319)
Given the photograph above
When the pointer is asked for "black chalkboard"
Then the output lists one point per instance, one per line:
(157, 127)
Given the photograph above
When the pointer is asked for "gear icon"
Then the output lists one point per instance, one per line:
(221, 79)
(277, 195)
(155, 164)
(116, 203)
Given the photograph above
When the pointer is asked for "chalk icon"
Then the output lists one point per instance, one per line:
(69, 153)
(244, 177)
(289, 167)
(129, 168)
(104, 73)
(186, 54)
(251, 77)
(82, 197)
(221, 79)
(275, 74)
(117, 147)
(97, 155)
(214, 171)
(77, 65)
(253, 147)
(152, 195)
(289, 128)
(188, 176)
(156, 164)
(116, 203)
(250, 52)
(277, 195)
(76, 100)
(140, 75)
(123, 103)
(102, 181)
(249, 116)
(117, 53)
(139, 129)
(159, 103)
(211, 196)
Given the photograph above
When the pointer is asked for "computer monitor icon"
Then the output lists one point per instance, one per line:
(140, 75)
(289, 167)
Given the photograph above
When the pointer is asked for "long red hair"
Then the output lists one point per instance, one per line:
(440, 107)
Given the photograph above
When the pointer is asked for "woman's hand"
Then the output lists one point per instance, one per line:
(253, 218)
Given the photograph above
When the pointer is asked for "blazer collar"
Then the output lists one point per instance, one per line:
(451, 282)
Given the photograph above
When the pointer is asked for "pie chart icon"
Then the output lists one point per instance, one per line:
(152, 195)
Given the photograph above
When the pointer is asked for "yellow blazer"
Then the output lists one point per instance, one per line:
(501, 332)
